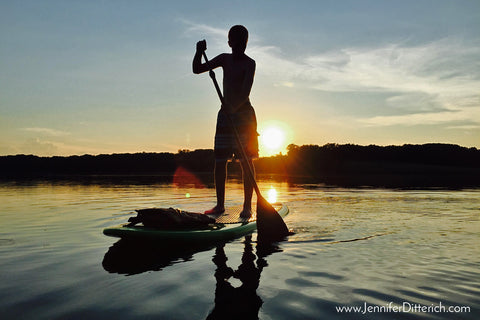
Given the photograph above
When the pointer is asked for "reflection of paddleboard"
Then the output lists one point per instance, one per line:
(227, 226)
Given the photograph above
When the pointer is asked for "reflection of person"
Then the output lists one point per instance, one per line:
(242, 302)
(238, 74)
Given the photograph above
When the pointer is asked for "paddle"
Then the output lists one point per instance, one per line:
(270, 224)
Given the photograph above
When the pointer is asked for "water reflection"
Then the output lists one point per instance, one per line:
(240, 302)
(272, 195)
(137, 256)
(231, 302)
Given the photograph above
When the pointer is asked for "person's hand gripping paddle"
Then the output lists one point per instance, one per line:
(270, 224)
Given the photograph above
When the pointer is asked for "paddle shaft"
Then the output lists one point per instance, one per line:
(249, 168)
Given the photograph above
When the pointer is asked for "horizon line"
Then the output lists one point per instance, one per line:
(211, 149)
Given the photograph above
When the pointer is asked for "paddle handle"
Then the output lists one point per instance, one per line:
(214, 79)
(237, 137)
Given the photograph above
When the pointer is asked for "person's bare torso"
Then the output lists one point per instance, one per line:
(237, 78)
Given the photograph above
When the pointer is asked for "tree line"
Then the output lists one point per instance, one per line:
(347, 164)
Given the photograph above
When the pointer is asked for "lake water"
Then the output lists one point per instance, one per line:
(394, 254)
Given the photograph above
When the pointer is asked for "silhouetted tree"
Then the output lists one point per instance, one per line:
(428, 164)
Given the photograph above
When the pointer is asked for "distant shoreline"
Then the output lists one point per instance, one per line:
(427, 165)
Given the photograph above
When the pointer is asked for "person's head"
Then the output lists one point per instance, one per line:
(238, 38)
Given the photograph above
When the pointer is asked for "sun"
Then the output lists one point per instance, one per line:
(273, 138)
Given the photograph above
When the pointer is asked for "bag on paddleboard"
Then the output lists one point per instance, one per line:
(170, 219)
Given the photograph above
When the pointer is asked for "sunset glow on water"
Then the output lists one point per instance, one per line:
(351, 247)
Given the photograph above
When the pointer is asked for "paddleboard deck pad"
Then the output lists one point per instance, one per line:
(229, 225)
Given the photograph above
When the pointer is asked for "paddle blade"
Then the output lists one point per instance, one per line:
(270, 224)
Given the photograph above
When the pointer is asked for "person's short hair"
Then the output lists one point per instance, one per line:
(238, 33)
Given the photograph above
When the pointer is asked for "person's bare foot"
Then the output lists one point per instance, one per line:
(216, 211)
(246, 213)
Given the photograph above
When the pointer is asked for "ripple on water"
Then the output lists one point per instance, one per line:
(6, 242)
(316, 274)
(288, 304)
(301, 283)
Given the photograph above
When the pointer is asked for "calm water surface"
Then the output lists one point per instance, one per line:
(369, 248)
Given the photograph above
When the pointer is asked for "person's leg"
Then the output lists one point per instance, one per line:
(247, 187)
(223, 152)
(220, 178)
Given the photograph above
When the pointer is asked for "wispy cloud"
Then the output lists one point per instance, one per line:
(465, 127)
(442, 67)
(437, 82)
(445, 67)
(46, 131)
(38, 147)
(434, 82)
(215, 36)
(415, 119)
(196, 28)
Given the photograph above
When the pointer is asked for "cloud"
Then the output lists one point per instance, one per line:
(442, 67)
(38, 147)
(415, 102)
(195, 28)
(432, 82)
(436, 82)
(465, 127)
(414, 119)
(216, 37)
(46, 131)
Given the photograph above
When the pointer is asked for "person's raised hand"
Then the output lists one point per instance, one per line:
(201, 46)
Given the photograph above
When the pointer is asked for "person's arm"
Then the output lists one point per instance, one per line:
(197, 65)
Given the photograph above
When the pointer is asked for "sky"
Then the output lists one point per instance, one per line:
(96, 77)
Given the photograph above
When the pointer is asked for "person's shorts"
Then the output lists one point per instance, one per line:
(225, 142)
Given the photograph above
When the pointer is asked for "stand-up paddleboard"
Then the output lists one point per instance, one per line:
(227, 226)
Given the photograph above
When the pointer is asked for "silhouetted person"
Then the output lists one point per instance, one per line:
(238, 74)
